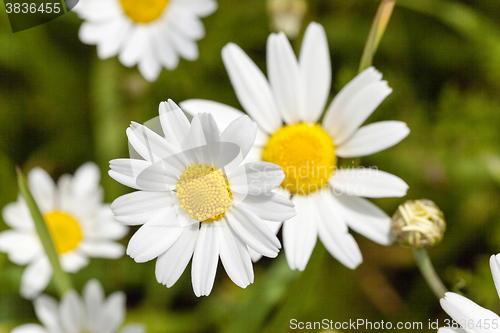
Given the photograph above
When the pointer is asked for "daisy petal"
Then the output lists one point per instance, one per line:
(354, 103)
(253, 231)
(462, 309)
(141, 175)
(234, 255)
(495, 271)
(135, 47)
(223, 114)
(35, 277)
(275, 227)
(371, 139)
(201, 7)
(134, 328)
(333, 232)
(73, 261)
(21, 247)
(251, 88)
(17, 215)
(316, 72)
(46, 310)
(172, 263)
(451, 330)
(29, 328)
(148, 144)
(139, 207)
(365, 182)
(284, 77)
(174, 123)
(71, 312)
(258, 178)
(113, 312)
(42, 188)
(103, 249)
(149, 66)
(152, 239)
(93, 295)
(241, 132)
(86, 179)
(365, 218)
(300, 233)
(272, 207)
(205, 259)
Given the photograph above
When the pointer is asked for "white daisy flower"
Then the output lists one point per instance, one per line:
(287, 108)
(150, 33)
(81, 226)
(195, 199)
(93, 314)
(472, 317)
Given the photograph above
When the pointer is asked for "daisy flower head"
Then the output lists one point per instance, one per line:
(197, 200)
(471, 317)
(150, 33)
(287, 106)
(80, 224)
(92, 313)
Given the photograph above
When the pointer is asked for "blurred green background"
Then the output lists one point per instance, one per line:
(61, 106)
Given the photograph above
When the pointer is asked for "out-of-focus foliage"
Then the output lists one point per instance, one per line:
(61, 106)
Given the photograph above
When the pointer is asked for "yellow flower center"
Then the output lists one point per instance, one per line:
(306, 155)
(64, 230)
(204, 193)
(143, 11)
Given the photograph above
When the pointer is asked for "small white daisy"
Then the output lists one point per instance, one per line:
(81, 226)
(472, 317)
(287, 107)
(196, 200)
(150, 33)
(92, 314)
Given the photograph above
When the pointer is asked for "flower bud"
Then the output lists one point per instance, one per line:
(286, 15)
(418, 223)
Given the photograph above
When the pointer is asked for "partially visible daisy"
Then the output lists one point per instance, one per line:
(287, 107)
(150, 33)
(196, 200)
(91, 314)
(472, 317)
(80, 224)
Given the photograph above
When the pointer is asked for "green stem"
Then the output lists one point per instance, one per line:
(62, 280)
(377, 30)
(425, 265)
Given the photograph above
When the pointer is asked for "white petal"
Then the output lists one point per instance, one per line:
(285, 78)
(462, 309)
(71, 312)
(17, 215)
(139, 207)
(365, 218)
(495, 271)
(134, 328)
(152, 239)
(93, 296)
(148, 144)
(185, 22)
(371, 139)
(354, 104)
(136, 45)
(174, 122)
(272, 207)
(113, 36)
(203, 131)
(451, 330)
(300, 233)
(314, 62)
(186, 48)
(73, 261)
(140, 175)
(234, 255)
(367, 182)
(101, 249)
(46, 309)
(112, 312)
(21, 247)
(251, 88)
(86, 179)
(163, 48)
(258, 178)
(241, 132)
(205, 259)
(333, 231)
(275, 227)
(35, 277)
(29, 328)
(149, 66)
(171, 264)
(42, 188)
(201, 8)
(223, 114)
(253, 231)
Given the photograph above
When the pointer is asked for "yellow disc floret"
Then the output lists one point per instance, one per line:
(143, 11)
(64, 230)
(204, 193)
(306, 155)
